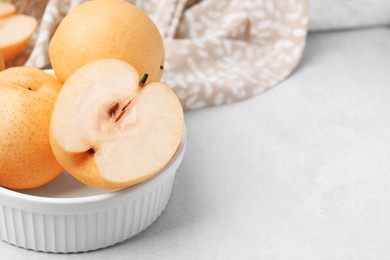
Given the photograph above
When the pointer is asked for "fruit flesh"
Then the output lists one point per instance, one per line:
(103, 29)
(15, 32)
(27, 96)
(6, 9)
(146, 133)
(103, 148)
(91, 95)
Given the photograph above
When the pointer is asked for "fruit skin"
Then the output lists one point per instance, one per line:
(124, 146)
(82, 166)
(26, 159)
(104, 29)
(2, 64)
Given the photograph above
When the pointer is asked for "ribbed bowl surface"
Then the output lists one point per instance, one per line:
(81, 218)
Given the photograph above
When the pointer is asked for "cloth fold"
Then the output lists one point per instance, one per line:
(217, 52)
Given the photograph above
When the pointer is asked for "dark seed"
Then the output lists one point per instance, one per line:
(113, 109)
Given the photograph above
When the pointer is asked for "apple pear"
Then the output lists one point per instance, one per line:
(15, 32)
(2, 63)
(6, 9)
(107, 29)
(110, 129)
(27, 97)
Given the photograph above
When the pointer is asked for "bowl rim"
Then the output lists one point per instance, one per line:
(28, 198)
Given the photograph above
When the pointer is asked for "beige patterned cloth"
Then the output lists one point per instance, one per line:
(217, 51)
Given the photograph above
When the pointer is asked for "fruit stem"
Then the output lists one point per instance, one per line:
(143, 80)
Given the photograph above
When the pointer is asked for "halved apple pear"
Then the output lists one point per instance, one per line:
(109, 129)
(6, 9)
(15, 32)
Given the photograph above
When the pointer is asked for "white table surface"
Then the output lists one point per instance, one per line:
(300, 172)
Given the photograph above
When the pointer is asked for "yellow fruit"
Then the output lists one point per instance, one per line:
(27, 97)
(15, 32)
(110, 131)
(2, 64)
(104, 29)
(6, 9)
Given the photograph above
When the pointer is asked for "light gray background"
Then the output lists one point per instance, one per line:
(300, 172)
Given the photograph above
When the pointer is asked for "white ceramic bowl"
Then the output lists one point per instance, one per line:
(68, 216)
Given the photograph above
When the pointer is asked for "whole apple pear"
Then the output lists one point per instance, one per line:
(27, 97)
(107, 29)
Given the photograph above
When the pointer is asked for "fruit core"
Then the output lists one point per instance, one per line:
(116, 114)
(112, 111)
